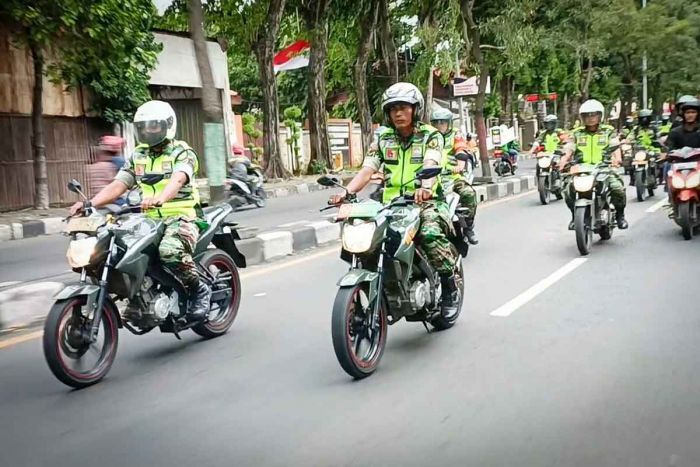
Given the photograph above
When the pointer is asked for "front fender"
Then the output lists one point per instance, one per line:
(90, 291)
(583, 202)
(356, 277)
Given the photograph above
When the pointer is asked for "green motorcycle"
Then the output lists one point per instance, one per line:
(389, 278)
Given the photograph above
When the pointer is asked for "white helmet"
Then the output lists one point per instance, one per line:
(155, 121)
(405, 93)
(592, 106)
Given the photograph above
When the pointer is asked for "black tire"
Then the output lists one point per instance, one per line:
(584, 234)
(440, 323)
(227, 308)
(684, 220)
(605, 233)
(497, 168)
(60, 351)
(543, 189)
(260, 201)
(639, 185)
(348, 302)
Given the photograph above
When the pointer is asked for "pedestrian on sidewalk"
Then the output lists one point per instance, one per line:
(102, 171)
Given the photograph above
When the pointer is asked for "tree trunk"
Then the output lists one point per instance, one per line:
(41, 179)
(264, 50)
(473, 37)
(365, 47)
(317, 22)
(391, 57)
(429, 95)
(565, 110)
(211, 104)
(587, 81)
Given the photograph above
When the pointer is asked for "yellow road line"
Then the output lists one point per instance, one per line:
(9, 342)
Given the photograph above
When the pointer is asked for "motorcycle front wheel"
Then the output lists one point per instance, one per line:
(639, 185)
(73, 360)
(358, 343)
(684, 220)
(584, 233)
(543, 188)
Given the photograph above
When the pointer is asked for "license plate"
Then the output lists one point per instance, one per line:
(685, 165)
(82, 224)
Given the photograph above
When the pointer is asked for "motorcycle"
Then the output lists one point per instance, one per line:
(458, 214)
(684, 186)
(548, 176)
(389, 278)
(593, 211)
(246, 184)
(502, 165)
(115, 250)
(644, 172)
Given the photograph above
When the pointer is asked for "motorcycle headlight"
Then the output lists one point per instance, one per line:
(677, 182)
(80, 251)
(358, 238)
(544, 162)
(584, 183)
(640, 156)
(693, 180)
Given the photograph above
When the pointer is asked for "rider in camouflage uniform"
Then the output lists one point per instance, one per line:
(587, 144)
(403, 148)
(455, 143)
(175, 198)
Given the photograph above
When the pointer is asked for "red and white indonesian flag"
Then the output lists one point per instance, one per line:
(292, 57)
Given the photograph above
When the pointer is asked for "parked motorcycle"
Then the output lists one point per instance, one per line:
(115, 250)
(644, 171)
(389, 278)
(593, 211)
(548, 176)
(684, 185)
(246, 184)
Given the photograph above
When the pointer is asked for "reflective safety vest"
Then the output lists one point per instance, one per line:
(665, 129)
(454, 143)
(590, 147)
(403, 159)
(186, 202)
(644, 137)
(551, 140)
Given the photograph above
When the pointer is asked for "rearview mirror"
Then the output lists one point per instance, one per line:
(74, 186)
(428, 173)
(151, 179)
(327, 180)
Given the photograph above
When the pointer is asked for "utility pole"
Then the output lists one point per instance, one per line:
(645, 97)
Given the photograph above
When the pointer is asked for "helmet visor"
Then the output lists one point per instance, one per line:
(440, 122)
(550, 125)
(151, 132)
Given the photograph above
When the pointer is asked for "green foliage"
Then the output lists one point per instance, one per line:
(292, 120)
(318, 167)
(104, 45)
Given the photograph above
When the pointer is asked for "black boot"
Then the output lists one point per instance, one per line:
(200, 301)
(572, 224)
(471, 235)
(450, 296)
(621, 222)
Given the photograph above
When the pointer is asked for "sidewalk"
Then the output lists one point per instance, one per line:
(26, 223)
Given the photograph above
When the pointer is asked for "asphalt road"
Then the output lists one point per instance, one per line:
(44, 258)
(599, 368)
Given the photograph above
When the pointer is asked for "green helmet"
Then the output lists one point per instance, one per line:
(441, 114)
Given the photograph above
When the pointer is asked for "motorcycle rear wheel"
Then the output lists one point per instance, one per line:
(65, 351)
(357, 347)
(227, 308)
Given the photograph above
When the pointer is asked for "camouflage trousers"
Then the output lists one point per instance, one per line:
(467, 196)
(176, 249)
(435, 226)
(617, 192)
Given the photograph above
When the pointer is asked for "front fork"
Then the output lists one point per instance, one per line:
(377, 302)
(102, 294)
